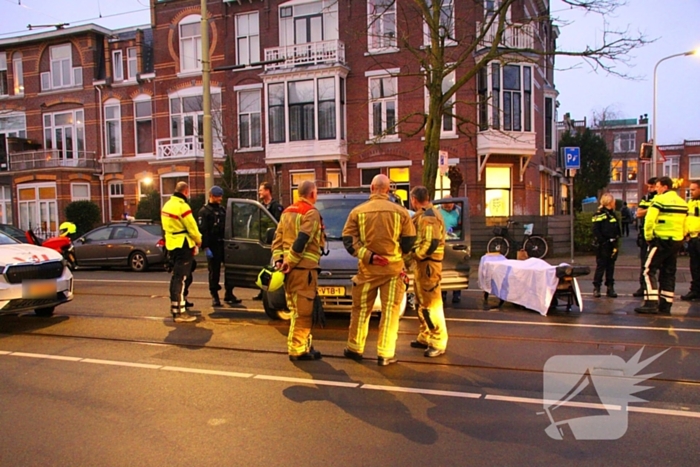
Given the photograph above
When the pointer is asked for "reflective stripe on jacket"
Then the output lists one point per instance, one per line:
(665, 218)
(299, 236)
(430, 235)
(692, 222)
(179, 224)
(605, 225)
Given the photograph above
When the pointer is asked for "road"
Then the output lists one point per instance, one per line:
(111, 380)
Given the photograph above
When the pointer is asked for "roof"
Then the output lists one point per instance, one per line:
(62, 32)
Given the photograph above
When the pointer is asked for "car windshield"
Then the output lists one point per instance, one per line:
(153, 229)
(335, 212)
(5, 240)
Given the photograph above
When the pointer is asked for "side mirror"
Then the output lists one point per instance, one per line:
(81, 240)
(270, 235)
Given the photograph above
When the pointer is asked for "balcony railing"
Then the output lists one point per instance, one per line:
(515, 36)
(52, 158)
(310, 53)
(183, 147)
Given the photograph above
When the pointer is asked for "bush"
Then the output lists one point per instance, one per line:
(583, 232)
(84, 214)
(149, 207)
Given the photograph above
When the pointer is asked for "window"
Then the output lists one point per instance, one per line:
(616, 171)
(694, 167)
(190, 44)
(80, 191)
(624, 142)
(167, 185)
(276, 102)
(548, 122)
(187, 116)
(118, 64)
(632, 170)
(326, 108)
(301, 111)
(383, 106)
(13, 125)
(671, 167)
(400, 176)
(5, 205)
(132, 68)
(447, 22)
(18, 73)
(296, 179)
(247, 38)
(113, 129)
(498, 191)
(510, 97)
(249, 119)
(381, 16)
(367, 175)
(61, 65)
(143, 125)
(248, 182)
(65, 133)
(38, 208)
(4, 88)
(116, 199)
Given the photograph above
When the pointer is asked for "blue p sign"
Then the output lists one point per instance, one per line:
(572, 158)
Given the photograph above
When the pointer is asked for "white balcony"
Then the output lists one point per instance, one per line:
(310, 53)
(515, 36)
(184, 147)
(313, 152)
(52, 159)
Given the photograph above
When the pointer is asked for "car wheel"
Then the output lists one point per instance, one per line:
(45, 312)
(138, 261)
(275, 304)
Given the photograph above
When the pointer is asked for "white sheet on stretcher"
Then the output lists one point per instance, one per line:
(530, 283)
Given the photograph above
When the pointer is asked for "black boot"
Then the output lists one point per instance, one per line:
(611, 292)
(596, 292)
(690, 296)
(650, 307)
(639, 292)
(664, 307)
(215, 301)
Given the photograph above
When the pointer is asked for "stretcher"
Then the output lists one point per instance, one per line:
(532, 283)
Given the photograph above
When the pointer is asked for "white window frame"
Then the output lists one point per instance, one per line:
(381, 25)
(296, 177)
(4, 82)
(216, 117)
(624, 141)
(495, 105)
(113, 125)
(141, 99)
(671, 167)
(447, 9)
(376, 84)
(694, 167)
(246, 108)
(247, 38)
(5, 204)
(75, 197)
(132, 68)
(165, 196)
(59, 79)
(38, 210)
(118, 65)
(447, 82)
(77, 117)
(190, 64)
(18, 73)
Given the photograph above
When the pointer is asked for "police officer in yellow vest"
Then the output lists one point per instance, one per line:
(181, 238)
(378, 233)
(692, 227)
(642, 209)
(425, 260)
(296, 251)
(664, 229)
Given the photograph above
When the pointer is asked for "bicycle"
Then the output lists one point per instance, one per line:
(535, 245)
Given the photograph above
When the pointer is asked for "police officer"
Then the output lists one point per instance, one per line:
(181, 238)
(212, 222)
(692, 227)
(606, 231)
(664, 229)
(426, 261)
(641, 243)
(378, 233)
(272, 205)
(296, 251)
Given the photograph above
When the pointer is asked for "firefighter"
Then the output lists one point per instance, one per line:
(182, 237)
(664, 229)
(641, 243)
(606, 231)
(426, 262)
(296, 251)
(378, 233)
(692, 224)
(212, 222)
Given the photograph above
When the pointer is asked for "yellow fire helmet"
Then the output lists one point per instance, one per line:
(67, 228)
(270, 279)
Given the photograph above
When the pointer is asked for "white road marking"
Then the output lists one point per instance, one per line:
(569, 325)
(317, 382)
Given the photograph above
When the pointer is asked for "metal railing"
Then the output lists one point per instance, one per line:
(184, 147)
(310, 53)
(52, 158)
(515, 36)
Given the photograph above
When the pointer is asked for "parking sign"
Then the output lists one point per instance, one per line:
(572, 158)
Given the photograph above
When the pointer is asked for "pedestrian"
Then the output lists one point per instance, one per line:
(212, 223)
(626, 217)
(452, 216)
(378, 233)
(296, 251)
(692, 227)
(425, 260)
(606, 231)
(273, 207)
(182, 237)
(664, 229)
(641, 243)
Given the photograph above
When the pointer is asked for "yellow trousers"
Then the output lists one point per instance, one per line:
(300, 290)
(391, 291)
(432, 329)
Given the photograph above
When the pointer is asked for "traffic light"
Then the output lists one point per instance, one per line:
(645, 152)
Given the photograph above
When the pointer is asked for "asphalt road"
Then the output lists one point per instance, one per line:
(111, 380)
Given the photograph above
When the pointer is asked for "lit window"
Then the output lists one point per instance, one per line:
(498, 191)
(18, 73)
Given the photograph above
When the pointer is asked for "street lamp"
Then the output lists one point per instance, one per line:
(654, 157)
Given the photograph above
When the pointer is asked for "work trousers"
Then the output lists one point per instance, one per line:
(214, 268)
(432, 329)
(694, 254)
(605, 264)
(643, 252)
(391, 290)
(183, 261)
(662, 257)
(300, 290)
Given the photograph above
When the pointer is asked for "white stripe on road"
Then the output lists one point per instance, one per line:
(316, 382)
(568, 325)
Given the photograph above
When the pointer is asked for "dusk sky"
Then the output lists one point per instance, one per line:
(673, 23)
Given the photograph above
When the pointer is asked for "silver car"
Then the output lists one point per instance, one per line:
(133, 244)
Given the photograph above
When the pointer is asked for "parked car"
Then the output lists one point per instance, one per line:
(250, 230)
(137, 245)
(14, 232)
(33, 278)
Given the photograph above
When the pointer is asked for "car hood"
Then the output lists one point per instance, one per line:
(26, 253)
(338, 258)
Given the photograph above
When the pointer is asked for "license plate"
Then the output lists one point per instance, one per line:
(331, 291)
(39, 289)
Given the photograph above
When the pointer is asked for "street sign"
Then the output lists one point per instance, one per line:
(443, 164)
(572, 158)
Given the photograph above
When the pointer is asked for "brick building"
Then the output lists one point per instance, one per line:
(680, 161)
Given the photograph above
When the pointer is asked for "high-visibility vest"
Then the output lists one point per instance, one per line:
(179, 224)
(665, 218)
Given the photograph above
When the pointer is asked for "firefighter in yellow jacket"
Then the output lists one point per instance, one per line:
(378, 233)
(181, 237)
(692, 232)
(296, 251)
(425, 261)
(664, 229)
